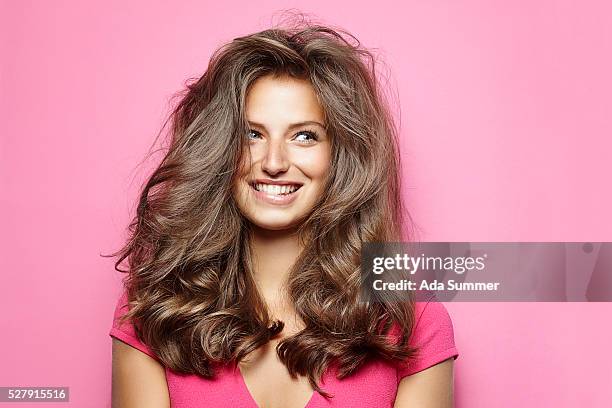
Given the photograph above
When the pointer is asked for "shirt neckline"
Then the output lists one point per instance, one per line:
(247, 393)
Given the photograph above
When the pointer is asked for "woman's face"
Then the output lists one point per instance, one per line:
(290, 153)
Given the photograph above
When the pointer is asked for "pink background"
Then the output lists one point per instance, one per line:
(506, 122)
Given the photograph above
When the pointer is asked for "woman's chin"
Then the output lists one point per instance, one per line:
(274, 224)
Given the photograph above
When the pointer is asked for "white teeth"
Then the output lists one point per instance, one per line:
(276, 189)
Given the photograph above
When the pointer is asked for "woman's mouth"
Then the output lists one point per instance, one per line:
(274, 193)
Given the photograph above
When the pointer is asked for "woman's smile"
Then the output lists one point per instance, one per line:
(276, 194)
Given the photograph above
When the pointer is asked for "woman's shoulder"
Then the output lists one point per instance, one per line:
(432, 335)
(124, 330)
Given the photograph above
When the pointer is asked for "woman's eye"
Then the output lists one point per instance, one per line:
(305, 136)
(252, 134)
(309, 136)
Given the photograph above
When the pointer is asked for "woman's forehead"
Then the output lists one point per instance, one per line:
(286, 99)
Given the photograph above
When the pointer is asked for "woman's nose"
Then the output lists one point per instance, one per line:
(275, 159)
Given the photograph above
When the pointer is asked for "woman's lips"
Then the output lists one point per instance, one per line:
(274, 199)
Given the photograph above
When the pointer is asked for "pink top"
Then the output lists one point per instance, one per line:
(373, 385)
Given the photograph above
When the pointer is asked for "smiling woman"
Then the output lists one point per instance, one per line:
(243, 287)
(289, 153)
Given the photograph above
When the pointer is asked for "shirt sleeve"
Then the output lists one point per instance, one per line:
(126, 332)
(433, 336)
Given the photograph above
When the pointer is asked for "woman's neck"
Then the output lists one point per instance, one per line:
(274, 252)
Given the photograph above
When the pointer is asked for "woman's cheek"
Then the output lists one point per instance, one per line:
(314, 163)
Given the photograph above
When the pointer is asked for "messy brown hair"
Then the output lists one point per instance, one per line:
(189, 283)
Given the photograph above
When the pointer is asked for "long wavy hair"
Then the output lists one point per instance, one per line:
(192, 296)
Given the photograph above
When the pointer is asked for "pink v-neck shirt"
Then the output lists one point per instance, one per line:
(373, 385)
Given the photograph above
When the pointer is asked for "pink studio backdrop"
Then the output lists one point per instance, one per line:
(506, 125)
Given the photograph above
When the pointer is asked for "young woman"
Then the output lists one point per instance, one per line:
(243, 286)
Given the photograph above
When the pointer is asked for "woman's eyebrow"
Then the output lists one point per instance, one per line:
(294, 125)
